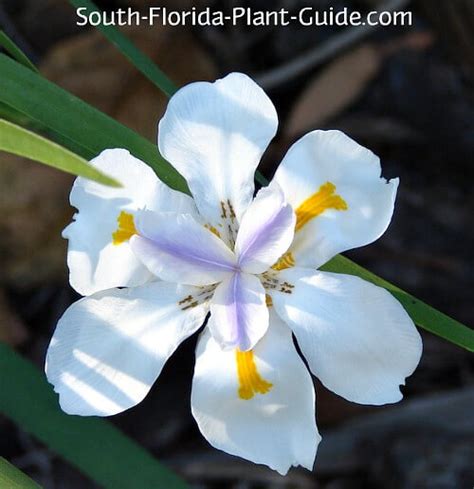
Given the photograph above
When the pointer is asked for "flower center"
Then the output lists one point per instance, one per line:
(250, 381)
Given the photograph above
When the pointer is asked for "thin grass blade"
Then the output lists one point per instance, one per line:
(13, 478)
(139, 59)
(16, 140)
(11, 48)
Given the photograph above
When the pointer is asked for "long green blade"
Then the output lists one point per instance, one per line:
(92, 444)
(16, 140)
(15, 51)
(13, 478)
(422, 314)
(76, 121)
(140, 60)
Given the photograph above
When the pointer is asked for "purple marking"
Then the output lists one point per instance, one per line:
(277, 224)
(190, 254)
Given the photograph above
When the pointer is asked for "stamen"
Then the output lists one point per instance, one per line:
(126, 228)
(325, 198)
(250, 381)
(270, 280)
(268, 300)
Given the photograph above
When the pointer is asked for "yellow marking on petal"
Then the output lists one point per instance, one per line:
(213, 230)
(286, 261)
(325, 198)
(250, 381)
(268, 300)
(126, 228)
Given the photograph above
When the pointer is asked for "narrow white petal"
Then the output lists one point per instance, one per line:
(277, 428)
(95, 262)
(266, 231)
(239, 314)
(331, 160)
(177, 248)
(109, 348)
(356, 337)
(214, 134)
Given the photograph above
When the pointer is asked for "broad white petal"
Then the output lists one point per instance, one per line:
(239, 314)
(177, 248)
(95, 262)
(277, 428)
(357, 338)
(314, 164)
(266, 231)
(214, 134)
(108, 349)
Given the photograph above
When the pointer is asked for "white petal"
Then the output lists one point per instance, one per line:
(331, 156)
(214, 134)
(356, 337)
(108, 349)
(177, 248)
(278, 428)
(266, 231)
(239, 314)
(95, 263)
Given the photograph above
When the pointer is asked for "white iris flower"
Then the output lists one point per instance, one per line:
(153, 263)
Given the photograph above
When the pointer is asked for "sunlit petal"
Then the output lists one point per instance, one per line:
(96, 260)
(275, 427)
(340, 199)
(109, 348)
(214, 134)
(357, 338)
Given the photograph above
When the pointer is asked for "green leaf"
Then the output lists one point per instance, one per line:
(422, 314)
(16, 140)
(88, 129)
(12, 478)
(15, 51)
(91, 444)
(140, 60)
